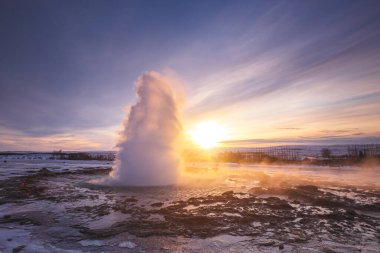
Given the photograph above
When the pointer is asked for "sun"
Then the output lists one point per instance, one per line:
(208, 134)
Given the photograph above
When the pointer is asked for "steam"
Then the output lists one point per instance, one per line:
(148, 152)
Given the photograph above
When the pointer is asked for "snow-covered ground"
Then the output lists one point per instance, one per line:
(19, 167)
(55, 206)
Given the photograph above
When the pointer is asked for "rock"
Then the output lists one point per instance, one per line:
(351, 213)
(266, 242)
(309, 188)
(18, 249)
(44, 172)
(31, 217)
(328, 250)
(131, 199)
(228, 193)
(158, 204)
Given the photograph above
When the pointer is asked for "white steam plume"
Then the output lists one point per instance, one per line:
(148, 152)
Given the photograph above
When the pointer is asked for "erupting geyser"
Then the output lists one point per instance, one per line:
(148, 152)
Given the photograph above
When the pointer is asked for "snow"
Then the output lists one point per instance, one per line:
(127, 244)
(256, 224)
(13, 238)
(92, 243)
(232, 214)
(14, 168)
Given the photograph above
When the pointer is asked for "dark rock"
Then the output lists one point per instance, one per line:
(130, 200)
(44, 172)
(309, 188)
(158, 204)
(351, 213)
(18, 249)
(267, 243)
(228, 193)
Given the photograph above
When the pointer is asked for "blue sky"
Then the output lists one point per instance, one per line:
(270, 71)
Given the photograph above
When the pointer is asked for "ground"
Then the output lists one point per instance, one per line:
(59, 206)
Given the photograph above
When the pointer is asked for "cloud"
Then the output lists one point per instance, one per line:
(325, 140)
(100, 139)
(259, 66)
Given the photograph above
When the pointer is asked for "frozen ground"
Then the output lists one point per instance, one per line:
(55, 206)
(14, 168)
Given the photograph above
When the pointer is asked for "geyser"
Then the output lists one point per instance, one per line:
(148, 148)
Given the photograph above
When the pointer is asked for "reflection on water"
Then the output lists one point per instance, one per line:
(214, 207)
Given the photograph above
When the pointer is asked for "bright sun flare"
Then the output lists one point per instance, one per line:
(208, 134)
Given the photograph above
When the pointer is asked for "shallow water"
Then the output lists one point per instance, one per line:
(214, 208)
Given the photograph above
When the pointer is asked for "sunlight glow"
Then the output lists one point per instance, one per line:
(208, 134)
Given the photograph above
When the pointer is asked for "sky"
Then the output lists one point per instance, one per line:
(271, 72)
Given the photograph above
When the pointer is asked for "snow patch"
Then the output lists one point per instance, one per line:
(92, 243)
(127, 244)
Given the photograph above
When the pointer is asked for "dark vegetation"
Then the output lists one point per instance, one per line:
(85, 156)
(354, 155)
(60, 155)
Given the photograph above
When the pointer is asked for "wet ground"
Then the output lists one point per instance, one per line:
(58, 207)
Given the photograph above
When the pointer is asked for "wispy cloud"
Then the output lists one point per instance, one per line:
(303, 66)
(263, 68)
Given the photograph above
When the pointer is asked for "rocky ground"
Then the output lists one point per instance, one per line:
(229, 211)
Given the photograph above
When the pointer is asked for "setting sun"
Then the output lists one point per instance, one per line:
(208, 134)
